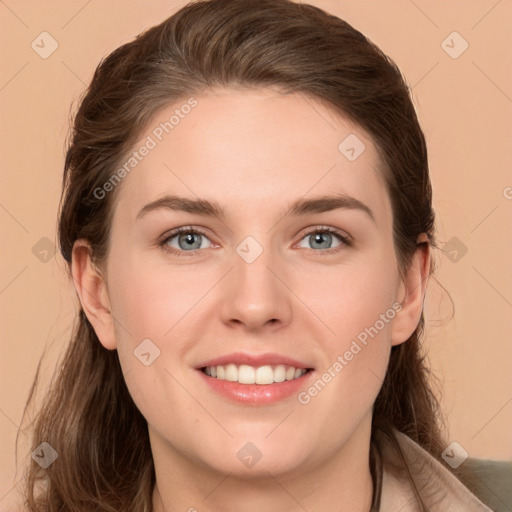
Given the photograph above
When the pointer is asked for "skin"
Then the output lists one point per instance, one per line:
(240, 148)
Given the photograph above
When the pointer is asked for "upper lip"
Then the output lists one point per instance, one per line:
(255, 360)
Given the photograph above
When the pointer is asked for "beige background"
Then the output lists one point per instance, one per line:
(464, 105)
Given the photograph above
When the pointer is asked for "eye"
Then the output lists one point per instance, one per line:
(185, 239)
(322, 239)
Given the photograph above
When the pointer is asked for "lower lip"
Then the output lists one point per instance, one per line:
(257, 394)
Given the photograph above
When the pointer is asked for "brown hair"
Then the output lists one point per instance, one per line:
(88, 417)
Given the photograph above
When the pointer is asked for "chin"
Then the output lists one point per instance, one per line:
(254, 459)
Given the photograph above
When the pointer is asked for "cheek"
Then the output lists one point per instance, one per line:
(358, 307)
(147, 305)
(357, 352)
(355, 360)
(350, 298)
(149, 300)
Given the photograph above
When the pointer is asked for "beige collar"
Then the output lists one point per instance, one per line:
(440, 490)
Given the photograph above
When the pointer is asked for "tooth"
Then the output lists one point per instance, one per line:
(264, 375)
(290, 373)
(246, 374)
(279, 373)
(231, 373)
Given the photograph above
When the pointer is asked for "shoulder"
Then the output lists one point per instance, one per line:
(492, 482)
(408, 470)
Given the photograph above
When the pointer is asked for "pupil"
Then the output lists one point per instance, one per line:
(322, 238)
(189, 239)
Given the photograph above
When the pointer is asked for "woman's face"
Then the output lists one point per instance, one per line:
(251, 292)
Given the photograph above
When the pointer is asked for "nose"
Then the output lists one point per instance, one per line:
(255, 295)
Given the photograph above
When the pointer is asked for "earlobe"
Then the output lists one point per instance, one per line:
(93, 294)
(412, 293)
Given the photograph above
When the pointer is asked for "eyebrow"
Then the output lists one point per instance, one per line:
(300, 207)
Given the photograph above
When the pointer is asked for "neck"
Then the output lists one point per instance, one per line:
(343, 482)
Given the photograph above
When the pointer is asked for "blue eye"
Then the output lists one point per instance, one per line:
(185, 241)
(323, 238)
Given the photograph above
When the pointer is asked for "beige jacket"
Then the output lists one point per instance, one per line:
(440, 490)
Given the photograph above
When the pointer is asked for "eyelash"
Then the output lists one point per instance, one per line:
(345, 240)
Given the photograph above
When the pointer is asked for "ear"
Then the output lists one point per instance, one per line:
(411, 293)
(93, 294)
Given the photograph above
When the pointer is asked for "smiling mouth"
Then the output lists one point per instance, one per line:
(245, 374)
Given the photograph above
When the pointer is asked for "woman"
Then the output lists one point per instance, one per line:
(222, 359)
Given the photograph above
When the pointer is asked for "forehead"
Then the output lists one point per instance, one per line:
(252, 149)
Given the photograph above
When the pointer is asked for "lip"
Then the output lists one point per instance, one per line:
(255, 360)
(256, 394)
